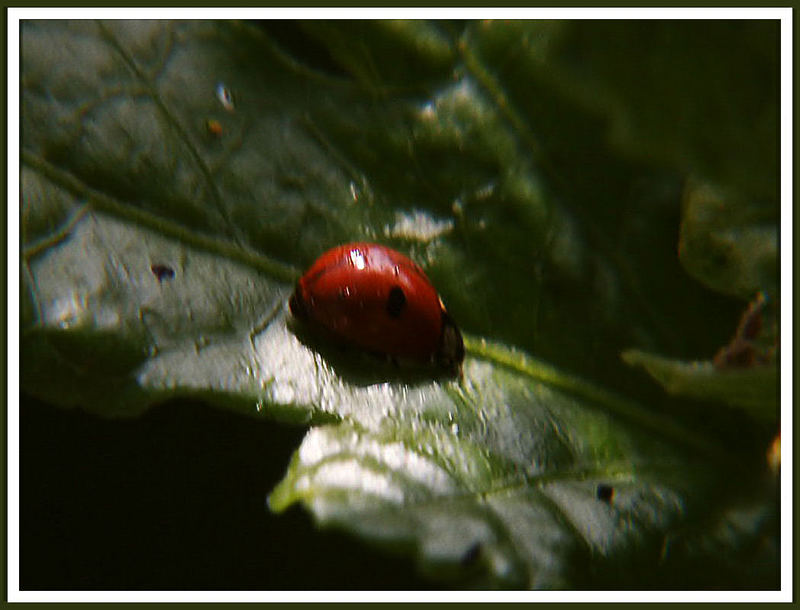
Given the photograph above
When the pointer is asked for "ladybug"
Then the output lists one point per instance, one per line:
(379, 300)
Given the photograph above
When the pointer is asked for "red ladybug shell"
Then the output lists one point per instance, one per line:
(379, 300)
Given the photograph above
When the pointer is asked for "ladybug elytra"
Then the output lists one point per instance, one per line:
(379, 300)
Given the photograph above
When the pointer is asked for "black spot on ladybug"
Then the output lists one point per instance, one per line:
(396, 301)
(162, 272)
(605, 493)
(472, 555)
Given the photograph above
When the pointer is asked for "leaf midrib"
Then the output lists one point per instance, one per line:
(100, 201)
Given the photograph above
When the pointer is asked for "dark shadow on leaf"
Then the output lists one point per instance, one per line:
(363, 368)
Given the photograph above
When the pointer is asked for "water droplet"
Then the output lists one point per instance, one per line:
(225, 97)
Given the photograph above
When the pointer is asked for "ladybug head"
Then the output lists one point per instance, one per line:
(451, 346)
(297, 305)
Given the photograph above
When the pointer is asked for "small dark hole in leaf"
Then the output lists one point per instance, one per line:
(162, 272)
(605, 492)
(472, 555)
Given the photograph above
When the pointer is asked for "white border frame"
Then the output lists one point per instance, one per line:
(786, 241)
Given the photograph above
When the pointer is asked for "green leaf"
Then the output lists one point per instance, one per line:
(500, 474)
(700, 95)
(177, 178)
(107, 324)
(728, 243)
(754, 389)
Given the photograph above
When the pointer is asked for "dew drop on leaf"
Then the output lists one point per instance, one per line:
(225, 97)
